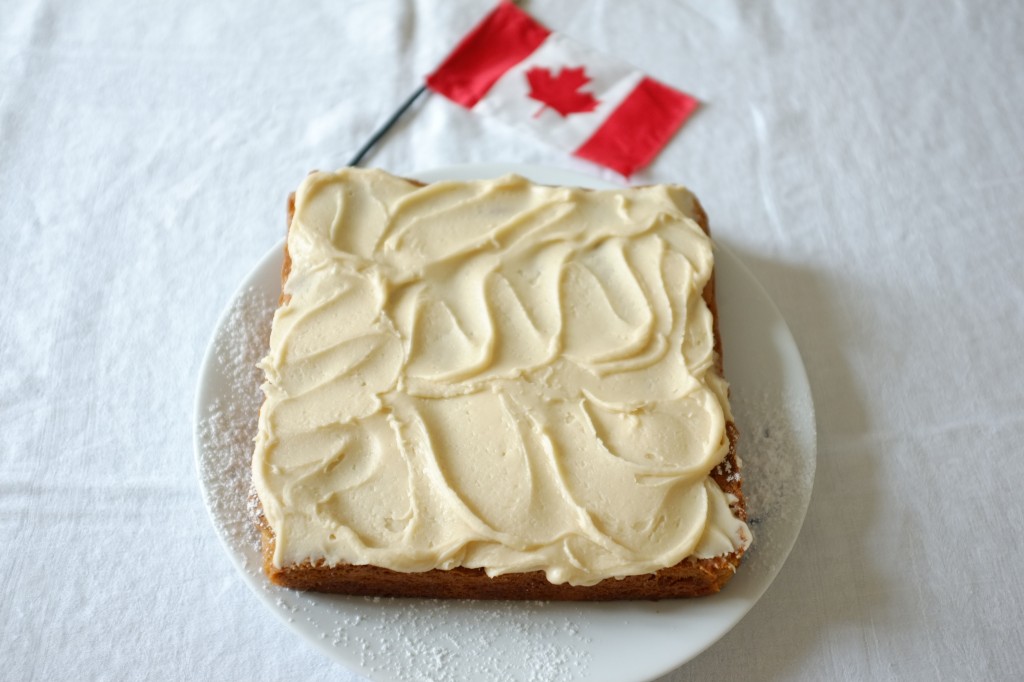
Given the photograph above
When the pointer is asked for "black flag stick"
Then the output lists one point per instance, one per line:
(382, 131)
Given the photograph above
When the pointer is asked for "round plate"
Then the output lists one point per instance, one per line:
(403, 639)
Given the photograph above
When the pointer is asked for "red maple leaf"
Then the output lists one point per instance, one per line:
(561, 92)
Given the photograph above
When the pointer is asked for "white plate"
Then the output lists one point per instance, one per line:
(395, 639)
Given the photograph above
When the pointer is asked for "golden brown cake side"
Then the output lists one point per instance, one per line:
(691, 577)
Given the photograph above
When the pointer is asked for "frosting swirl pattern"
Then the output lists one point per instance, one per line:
(495, 375)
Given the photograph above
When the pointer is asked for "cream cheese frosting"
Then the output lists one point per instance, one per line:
(497, 375)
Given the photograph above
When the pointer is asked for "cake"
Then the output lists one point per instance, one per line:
(497, 390)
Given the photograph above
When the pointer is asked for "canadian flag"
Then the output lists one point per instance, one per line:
(517, 71)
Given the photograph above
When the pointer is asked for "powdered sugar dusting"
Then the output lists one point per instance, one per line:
(226, 431)
(416, 640)
(776, 480)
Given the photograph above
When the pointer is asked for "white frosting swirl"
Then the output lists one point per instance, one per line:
(494, 375)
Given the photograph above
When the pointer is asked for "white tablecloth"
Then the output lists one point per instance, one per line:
(865, 160)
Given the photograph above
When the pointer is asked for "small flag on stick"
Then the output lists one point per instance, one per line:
(515, 70)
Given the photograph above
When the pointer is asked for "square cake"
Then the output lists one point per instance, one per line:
(499, 390)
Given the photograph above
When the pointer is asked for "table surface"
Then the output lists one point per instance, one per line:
(864, 160)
